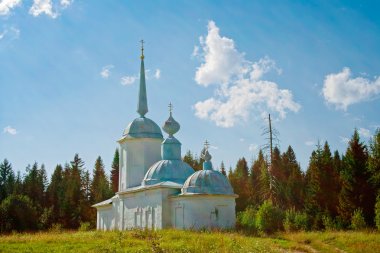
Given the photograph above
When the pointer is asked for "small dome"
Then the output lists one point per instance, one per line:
(143, 128)
(207, 182)
(168, 170)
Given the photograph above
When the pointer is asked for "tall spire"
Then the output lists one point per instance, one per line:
(207, 165)
(142, 106)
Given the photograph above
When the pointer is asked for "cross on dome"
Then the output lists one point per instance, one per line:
(142, 49)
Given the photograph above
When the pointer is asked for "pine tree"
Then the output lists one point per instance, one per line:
(374, 161)
(115, 172)
(7, 179)
(255, 174)
(356, 192)
(34, 185)
(55, 194)
(100, 189)
(293, 186)
(240, 183)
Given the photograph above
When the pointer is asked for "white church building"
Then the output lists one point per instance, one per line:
(156, 188)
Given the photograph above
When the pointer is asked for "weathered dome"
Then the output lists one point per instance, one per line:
(168, 170)
(207, 181)
(143, 128)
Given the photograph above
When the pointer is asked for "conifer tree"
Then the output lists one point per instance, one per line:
(100, 189)
(255, 174)
(374, 161)
(115, 172)
(356, 192)
(240, 183)
(55, 194)
(7, 179)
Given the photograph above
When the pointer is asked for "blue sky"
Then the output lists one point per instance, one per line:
(68, 70)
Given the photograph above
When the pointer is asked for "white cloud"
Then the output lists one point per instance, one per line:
(9, 34)
(195, 51)
(66, 3)
(253, 147)
(157, 74)
(344, 140)
(342, 91)
(43, 7)
(221, 59)
(128, 80)
(309, 143)
(7, 5)
(106, 71)
(242, 139)
(366, 133)
(240, 89)
(10, 130)
(264, 65)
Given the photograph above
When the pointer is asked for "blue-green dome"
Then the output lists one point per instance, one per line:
(207, 182)
(143, 128)
(168, 170)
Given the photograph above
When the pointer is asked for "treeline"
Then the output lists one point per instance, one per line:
(31, 201)
(336, 191)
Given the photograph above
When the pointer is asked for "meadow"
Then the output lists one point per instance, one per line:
(189, 241)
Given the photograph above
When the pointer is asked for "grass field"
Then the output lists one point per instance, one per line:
(189, 241)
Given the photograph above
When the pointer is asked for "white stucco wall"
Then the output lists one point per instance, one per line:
(136, 156)
(149, 208)
(105, 219)
(203, 211)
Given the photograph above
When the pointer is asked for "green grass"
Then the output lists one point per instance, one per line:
(189, 241)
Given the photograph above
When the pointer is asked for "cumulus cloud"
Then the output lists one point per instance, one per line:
(240, 88)
(344, 140)
(9, 34)
(46, 7)
(157, 74)
(364, 132)
(128, 80)
(342, 91)
(7, 5)
(66, 3)
(9, 130)
(106, 71)
(253, 147)
(309, 143)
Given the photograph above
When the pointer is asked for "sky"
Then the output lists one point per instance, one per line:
(69, 73)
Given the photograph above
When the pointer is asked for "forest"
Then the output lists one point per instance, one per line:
(336, 192)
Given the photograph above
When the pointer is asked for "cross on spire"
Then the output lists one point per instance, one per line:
(142, 49)
(207, 144)
(170, 108)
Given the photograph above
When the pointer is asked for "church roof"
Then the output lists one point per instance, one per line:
(207, 181)
(168, 170)
(143, 128)
(171, 168)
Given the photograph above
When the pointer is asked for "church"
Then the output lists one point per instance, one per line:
(156, 188)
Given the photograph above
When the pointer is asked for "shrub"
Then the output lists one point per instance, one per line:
(84, 226)
(377, 212)
(56, 228)
(269, 218)
(328, 223)
(247, 219)
(17, 213)
(295, 221)
(357, 220)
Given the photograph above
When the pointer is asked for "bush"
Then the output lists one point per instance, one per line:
(56, 228)
(377, 212)
(295, 221)
(17, 213)
(247, 219)
(84, 226)
(357, 220)
(269, 218)
(328, 223)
